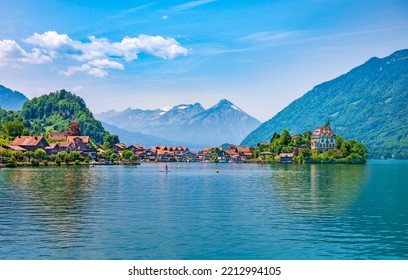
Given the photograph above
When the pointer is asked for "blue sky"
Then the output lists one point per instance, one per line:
(261, 55)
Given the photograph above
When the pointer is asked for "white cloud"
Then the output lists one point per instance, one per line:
(192, 4)
(105, 63)
(97, 53)
(92, 71)
(11, 52)
(269, 36)
(49, 40)
(77, 88)
(165, 17)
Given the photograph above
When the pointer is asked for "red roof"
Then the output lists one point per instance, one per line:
(64, 144)
(26, 141)
(286, 155)
(323, 131)
(244, 150)
(121, 146)
(17, 148)
(57, 135)
(52, 146)
(71, 139)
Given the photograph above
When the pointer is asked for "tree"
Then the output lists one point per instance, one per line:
(285, 138)
(74, 129)
(13, 128)
(40, 154)
(28, 154)
(127, 154)
(109, 140)
(74, 156)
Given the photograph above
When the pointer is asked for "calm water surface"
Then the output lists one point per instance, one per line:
(246, 211)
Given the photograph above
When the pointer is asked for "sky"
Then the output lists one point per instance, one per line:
(260, 55)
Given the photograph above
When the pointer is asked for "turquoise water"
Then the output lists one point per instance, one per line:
(245, 211)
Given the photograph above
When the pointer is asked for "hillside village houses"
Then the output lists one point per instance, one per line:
(322, 139)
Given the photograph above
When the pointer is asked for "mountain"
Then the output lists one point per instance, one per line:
(11, 100)
(222, 123)
(369, 104)
(189, 123)
(130, 138)
(54, 111)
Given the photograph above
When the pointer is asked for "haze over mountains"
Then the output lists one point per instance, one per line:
(369, 104)
(191, 123)
(11, 100)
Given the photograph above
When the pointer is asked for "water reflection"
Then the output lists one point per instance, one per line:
(308, 189)
(49, 199)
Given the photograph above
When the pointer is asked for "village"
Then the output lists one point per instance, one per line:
(71, 146)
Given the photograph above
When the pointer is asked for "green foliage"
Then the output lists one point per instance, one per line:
(39, 154)
(347, 151)
(11, 162)
(109, 140)
(14, 128)
(368, 104)
(74, 156)
(127, 154)
(54, 111)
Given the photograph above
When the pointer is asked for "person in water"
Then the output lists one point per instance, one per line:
(167, 169)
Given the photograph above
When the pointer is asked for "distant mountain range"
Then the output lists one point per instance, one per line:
(369, 104)
(129, 138)
(11, 100)
(188, 123)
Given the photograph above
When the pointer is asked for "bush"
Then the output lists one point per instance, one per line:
(58, 161)
(11, 163)
(77, 162)
(35, 162)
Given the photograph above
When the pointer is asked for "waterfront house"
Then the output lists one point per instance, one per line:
(118, 148)
(286, 157)
(137, 150)
(29, 143)
(323, 138)
(244, 152)
(53, 148)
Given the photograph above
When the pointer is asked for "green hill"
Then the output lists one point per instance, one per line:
(369, 104)
(54, 111)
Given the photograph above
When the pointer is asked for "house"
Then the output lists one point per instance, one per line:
(53, 148)
(244, 152)
(17, 148)
(323, 138)
(286, 157)
(118, 148)
(57, 136)
(29, 143)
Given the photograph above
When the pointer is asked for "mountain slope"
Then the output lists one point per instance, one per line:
(130, 138)
(11, 100)
(221, 123)
(369, 104)
(54, 111)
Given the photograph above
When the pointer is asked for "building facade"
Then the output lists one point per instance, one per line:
(323, 138)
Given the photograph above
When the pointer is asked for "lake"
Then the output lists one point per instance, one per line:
(206, 211)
